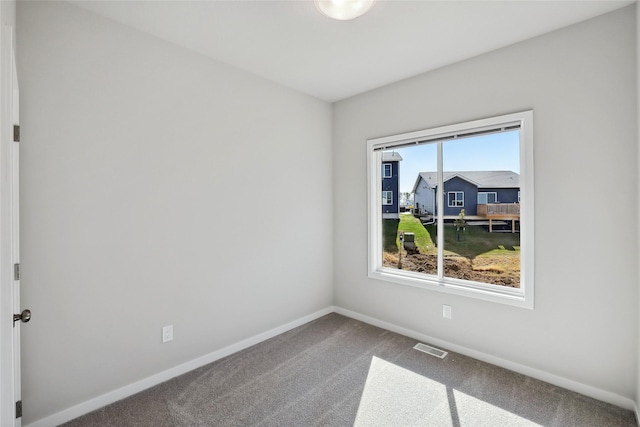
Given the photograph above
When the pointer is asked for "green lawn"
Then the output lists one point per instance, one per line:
(390, 235)
(423, 240)
(474, 255)
(475, 240)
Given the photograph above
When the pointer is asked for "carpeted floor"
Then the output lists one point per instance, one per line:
(336, 371)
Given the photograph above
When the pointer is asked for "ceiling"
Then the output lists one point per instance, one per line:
(291, 43)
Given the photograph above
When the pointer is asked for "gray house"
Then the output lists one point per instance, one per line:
(470, 190)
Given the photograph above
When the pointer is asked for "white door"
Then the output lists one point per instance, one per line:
(10, 402)
(20, 315)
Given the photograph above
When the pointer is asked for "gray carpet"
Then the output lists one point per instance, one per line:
(336, 371)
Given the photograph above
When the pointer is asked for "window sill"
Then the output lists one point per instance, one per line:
(493, 293)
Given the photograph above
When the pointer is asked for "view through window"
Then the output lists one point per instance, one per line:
(458, 220)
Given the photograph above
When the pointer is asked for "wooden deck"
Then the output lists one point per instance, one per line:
(500, 212)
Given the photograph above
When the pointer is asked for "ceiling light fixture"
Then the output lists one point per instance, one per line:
(343, 10)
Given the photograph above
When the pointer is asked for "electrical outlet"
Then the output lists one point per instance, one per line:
(167, 334)
(446, 311)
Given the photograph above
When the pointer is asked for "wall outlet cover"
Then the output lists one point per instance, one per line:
(167, 334)
(446, 311)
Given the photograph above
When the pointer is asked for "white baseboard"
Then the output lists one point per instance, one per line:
(578, 387)
(131, 389)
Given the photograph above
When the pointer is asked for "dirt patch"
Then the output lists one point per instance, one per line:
(485, 270)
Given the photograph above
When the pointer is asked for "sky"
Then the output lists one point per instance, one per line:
(498, 151)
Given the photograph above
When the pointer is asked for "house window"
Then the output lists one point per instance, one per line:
(387, 197)
(456, 199)
(386, 170)
(489, 251)
(489, 197)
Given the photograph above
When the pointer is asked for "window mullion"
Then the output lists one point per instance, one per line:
(440, 213)
(376, 175)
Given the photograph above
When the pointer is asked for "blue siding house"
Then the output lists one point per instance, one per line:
(391, 185)
(465, 190)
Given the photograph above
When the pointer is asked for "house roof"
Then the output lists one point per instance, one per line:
(481, 179)
(391, 156)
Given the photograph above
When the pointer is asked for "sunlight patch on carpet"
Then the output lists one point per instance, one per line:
(395, 396)
(473, 411)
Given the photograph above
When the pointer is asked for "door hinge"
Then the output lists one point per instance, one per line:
(16, 271)
(16, 133)
(19, 409)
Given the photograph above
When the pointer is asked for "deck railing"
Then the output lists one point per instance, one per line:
(501, 209)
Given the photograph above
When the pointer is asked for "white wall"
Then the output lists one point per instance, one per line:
(8, 12)
(154, 184)
(581, 83)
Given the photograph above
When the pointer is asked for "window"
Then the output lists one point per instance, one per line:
(386, 170)
(456, 199)
(489, 197)
(482, 250)
(387, 197)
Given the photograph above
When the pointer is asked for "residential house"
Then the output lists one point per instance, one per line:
(465, 190)
(391, 185)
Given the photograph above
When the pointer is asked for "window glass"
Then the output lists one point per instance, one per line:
(485, 198)
(482, 240)
(386, 170)
(456, 199)
(387, 197)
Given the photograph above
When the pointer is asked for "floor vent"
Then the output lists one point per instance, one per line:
(431, 350)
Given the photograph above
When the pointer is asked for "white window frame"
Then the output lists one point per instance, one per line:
(389, 197)
(384, 170)
(520, 297)
(495, 193)
(456, 200)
